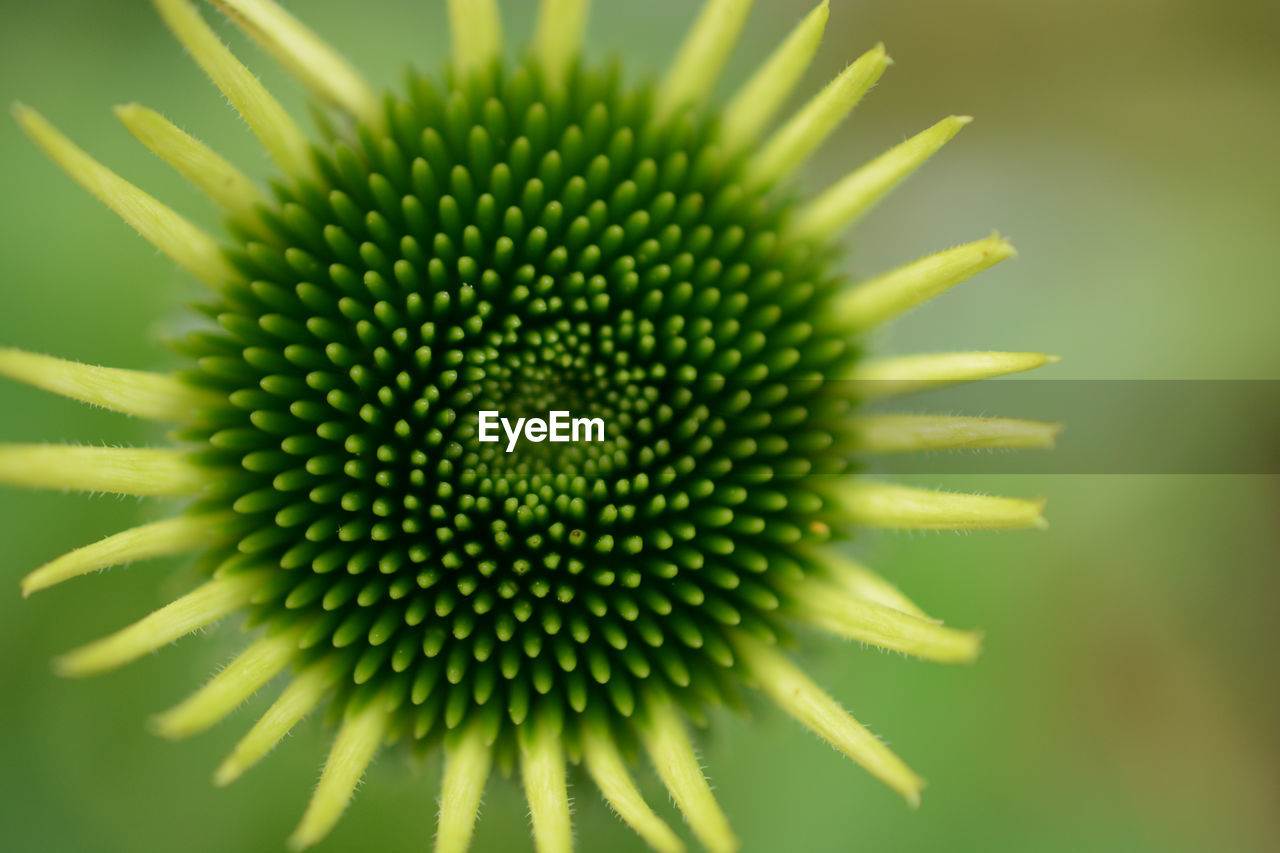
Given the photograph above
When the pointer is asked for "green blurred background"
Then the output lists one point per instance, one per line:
(1128, 696)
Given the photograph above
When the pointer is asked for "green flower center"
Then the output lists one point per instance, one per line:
(500, 248)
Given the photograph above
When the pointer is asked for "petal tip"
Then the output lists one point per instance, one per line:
(29, 119)
(299, 842)
(1036, 510)
(165, 726)
(225, 774)
(999, 246)
(72, 665)
(973, 649)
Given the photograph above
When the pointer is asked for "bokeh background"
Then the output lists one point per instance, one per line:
(1128, 696)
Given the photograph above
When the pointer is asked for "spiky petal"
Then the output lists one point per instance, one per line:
(255, 666)
(760, 98)
(542, 766)
(477, 34)
(906, 433)
(277, 132)
(162, 538)
(558, 36)
(308, 57)
(796, 694)
(888, 505)
(353, 749)
(222, 182)
(609, 772)
(884, 297)
(856, 579)
(855, 194)
(298, 699)
(133, 392)
(197, 609)
(792, 144)
(703, 55)
(673, 757)
(118, 470)
(188, 246)
(834, 610)
(890, 377)
(466, 770)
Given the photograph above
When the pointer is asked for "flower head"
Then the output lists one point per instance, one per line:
(523, 238)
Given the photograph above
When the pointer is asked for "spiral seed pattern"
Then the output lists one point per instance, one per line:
(497, 245)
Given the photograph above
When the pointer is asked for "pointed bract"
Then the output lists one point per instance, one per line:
(758, 101)
(851, 197)
(117, 470)
(262, 661)
(885, 297)
(908, 433)
(298, 699)
(477, 35)
(466, 769)
(856, 579)
(667, 743)
(133, 392)
(197, 609)
(542, 766)
(162, 538)
(353, 749)
(702, 57)
(887, 505)
(609, 772)
(557, 39)
(796, 694)
(308, 57)
(185, 244)
(834, 610)
(277, 132)
(891, 377)
(226, 185)
(788, 148)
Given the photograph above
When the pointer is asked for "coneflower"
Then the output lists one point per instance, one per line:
(518, 237)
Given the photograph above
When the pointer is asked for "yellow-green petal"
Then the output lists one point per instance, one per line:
(308, 57)
(197, 609)
(118, 470)
(910, 433)
(673, 757)
(759, 99)
(132, 392)
(792, 144)
(466, 769)
(353, 749)
(796, 694)
(873, 504)
(162, 538)
(186, 245)
(852, 196)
